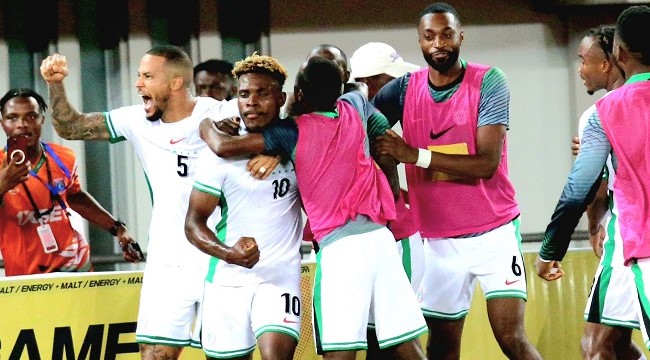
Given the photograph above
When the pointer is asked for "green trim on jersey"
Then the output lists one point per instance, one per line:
(220, 232)
(406, 257)
(610, 246)
(615, 322)
(278, 329)
(497, 294)
(113, 138)
(444, 316)
(330, 114)
(411, 335)
(641, 292)
(159, 340)
(517, 224)
(638, 78)
(377, 125)
(220, 229)
(316, 297)
(346, 346)
(146, 178)
(229, 354)
(212, 268)
(204, 188)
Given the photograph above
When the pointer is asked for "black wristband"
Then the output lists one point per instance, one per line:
(115, 226)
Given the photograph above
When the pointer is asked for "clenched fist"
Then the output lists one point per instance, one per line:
(54, 68)
(244, 253)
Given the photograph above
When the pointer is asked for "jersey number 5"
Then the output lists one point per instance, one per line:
(182, 165)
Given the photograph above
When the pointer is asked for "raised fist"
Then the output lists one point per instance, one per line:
(54, 68)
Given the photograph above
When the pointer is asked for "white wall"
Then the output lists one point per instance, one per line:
(546, 98)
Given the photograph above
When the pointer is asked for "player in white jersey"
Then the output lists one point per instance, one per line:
(164, 134)
(252, 288)
(611, 312)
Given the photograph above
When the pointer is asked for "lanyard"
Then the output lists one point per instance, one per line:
(53, 190)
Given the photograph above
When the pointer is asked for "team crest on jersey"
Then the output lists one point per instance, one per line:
(59, 185)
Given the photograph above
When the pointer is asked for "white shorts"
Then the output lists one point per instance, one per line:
(452, 267)
(347, 287)
(411, 251)
(170, 306)
(234, 316)
(641, 271)
(611, 301)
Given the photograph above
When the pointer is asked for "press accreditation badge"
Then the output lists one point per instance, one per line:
(47, 238)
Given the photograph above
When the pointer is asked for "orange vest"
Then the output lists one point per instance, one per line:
(20, 244)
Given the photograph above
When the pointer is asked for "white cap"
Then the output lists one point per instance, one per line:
(376, 58)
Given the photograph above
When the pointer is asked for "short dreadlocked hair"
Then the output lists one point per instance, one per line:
(632, 27)
(261, 64)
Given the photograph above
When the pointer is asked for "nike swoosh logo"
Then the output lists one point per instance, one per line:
(508, 282)
(435, 136)
(176, 141)
(287, 321)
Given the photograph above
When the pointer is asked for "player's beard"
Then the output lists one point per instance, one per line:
(155, 116)
(161, 102)
(447, 64)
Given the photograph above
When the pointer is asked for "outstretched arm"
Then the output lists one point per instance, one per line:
(69, 123)
(583, 182)
(244, 253)
(86, 206)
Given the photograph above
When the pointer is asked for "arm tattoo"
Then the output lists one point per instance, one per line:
(72, 125)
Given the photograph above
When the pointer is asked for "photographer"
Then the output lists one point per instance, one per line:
(38, 186)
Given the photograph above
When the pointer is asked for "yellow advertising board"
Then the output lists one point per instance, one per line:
(90, 316)
(81, 316)
(93, 316)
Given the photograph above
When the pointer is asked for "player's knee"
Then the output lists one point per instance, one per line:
(276, 354)
(158, 352)
(278, 350)
(512, 342)
(595, 345)
(586, 346)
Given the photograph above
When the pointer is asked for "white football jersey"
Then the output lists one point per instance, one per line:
(268, 210)
(168, 154)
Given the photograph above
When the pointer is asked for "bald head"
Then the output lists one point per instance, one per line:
(335, 54)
